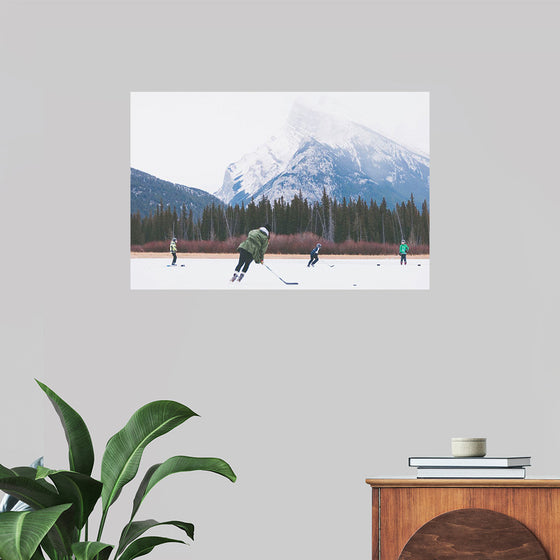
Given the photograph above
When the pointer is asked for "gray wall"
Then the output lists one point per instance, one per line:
(305, 394)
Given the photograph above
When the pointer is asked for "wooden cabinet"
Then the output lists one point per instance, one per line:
(527, 510)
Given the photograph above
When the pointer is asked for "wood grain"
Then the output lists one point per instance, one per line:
(403, 510)
(469, 534)
(375, 524)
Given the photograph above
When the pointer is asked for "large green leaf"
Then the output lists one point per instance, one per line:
(5, 471)
(9, 503)
(91, 549)
(27, 472)
(133, 530)
(29, 491)
(79, 489)
(49, 549)
(38, 554)
(31, 473)
(80, 448)
(39, 497)
(22, 532)
(124, 450)
(175, 465)
(143, 546)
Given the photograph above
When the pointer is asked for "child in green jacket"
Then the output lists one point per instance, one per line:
(252, 249)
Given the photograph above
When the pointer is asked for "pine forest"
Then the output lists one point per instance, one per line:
(345, 226)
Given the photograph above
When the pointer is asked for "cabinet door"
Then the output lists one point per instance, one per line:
(464, 534)
(403, 511)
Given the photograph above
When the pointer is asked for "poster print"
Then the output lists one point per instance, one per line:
(280, 190)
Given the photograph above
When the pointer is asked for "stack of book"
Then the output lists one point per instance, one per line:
(470, 467)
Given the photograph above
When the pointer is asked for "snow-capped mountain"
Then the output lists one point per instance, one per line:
(316, 151)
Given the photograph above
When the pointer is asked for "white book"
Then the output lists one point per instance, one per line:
(469, 461)
(478, 472)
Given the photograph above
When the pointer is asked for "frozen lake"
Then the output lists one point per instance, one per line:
(342, 274)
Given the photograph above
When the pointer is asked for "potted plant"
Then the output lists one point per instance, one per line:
(61, 501)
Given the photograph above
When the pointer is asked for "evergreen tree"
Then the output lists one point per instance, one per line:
(327, 218)
(425, 221)
(136, 233)
(251, 216)
(383, 217)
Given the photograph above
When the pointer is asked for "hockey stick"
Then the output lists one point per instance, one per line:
(288, 283)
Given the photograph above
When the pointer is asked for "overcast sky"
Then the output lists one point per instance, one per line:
(190, 138)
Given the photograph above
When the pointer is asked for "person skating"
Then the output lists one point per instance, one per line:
(314, 255)
(252, 249)
(403, 250)
(173, 251)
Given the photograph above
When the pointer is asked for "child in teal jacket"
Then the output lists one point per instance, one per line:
(403, 250)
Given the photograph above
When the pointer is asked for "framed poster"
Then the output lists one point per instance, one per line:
(332, 187)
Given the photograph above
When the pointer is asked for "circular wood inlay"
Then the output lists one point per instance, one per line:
(473, 534)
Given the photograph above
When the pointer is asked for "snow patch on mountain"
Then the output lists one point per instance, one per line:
(315, 151)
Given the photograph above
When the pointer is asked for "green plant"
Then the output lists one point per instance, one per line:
(62, 501)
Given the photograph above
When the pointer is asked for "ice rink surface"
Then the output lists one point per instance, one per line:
(342, 274)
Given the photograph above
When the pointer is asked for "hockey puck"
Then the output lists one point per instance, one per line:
(354, 284)
(419, 265)
(378, 264)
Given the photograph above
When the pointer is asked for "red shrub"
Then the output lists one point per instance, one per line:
(297, 244)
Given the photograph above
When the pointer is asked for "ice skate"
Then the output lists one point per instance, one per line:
(234, 277)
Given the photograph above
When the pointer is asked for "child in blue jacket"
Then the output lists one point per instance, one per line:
(314, 255)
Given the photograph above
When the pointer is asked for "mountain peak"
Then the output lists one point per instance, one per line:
(327, 151)
(323, 126)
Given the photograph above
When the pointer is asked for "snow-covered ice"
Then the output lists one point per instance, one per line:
(346, 274)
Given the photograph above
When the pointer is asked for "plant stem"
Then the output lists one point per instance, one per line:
(102, 524)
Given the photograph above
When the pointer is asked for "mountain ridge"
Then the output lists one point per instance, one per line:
(146, 192)
(315, 151)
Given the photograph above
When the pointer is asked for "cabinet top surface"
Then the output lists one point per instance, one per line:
(463, 482)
